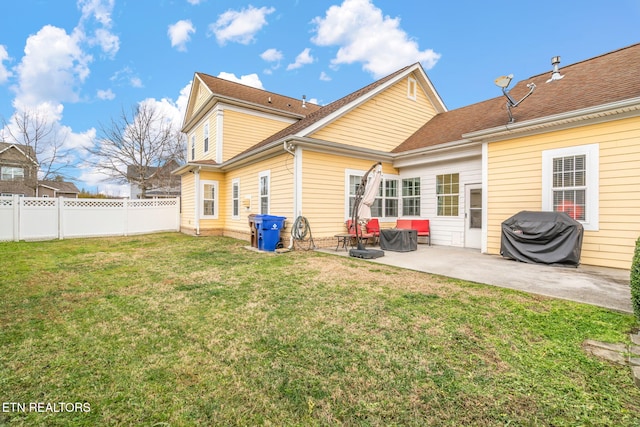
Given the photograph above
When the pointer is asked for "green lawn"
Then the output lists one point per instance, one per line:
(172, 330)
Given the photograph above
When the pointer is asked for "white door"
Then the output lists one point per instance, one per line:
(473, 216)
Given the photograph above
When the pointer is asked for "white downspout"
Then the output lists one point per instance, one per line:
(289, 148)
(197, 200)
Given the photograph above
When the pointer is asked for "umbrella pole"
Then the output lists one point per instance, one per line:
(356, 205)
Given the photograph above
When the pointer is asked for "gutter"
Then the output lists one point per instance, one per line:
(629, 106)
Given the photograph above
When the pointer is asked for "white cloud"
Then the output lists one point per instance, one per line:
(108, 42)
(183, 99)
(52, 69)
(302, 59)
(106, 95)
(4, 72)
(180, 34)
(250, 79)
(325, 77)
(365, 36)
(194, 2)
(271, 55)
(126, 76)
(240, 26)
(100, 10)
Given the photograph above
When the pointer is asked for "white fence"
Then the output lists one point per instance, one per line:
(38, 218)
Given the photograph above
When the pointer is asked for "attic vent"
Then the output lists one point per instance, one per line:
(555, 75)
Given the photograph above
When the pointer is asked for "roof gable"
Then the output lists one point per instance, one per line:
(605, 79)
(332, 111)
(60, 186)
(25, 150)
(206, 88)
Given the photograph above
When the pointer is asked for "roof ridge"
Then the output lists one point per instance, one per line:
(573, 64)
(252, 87)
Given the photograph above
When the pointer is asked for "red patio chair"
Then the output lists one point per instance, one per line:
(373, 227)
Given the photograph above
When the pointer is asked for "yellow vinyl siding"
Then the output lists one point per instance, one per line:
(202, 96)
(280, 189)
(243, 130)
(198, 131)
(383, 122)
(187, 199)
(222, 201)
(323, 194)
(515, 183)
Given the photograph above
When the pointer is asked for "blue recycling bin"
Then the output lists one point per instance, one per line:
(268, 227)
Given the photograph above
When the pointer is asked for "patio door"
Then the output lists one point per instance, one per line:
(473, 216)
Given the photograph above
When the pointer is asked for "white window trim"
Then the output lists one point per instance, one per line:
(193, 147)
(205, 138)
(266, 174)
(386, 177)
(235, 182)
(216, 200)
(592, 155)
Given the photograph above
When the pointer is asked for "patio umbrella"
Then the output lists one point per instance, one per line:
(370, 192)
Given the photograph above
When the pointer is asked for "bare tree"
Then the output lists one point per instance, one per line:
(33, 128)
(136, 144)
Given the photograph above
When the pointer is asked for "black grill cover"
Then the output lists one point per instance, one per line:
(542, 237)
(399, 240)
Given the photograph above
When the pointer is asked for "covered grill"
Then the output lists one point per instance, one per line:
(542, 237)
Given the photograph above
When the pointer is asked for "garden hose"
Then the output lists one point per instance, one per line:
(301, 232)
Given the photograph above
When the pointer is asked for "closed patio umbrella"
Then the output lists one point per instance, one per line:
(370, 192)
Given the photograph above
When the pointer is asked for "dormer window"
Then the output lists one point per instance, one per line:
(412, 88)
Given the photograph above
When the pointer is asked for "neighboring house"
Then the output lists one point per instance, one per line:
(160, 182)
(18, 170)
(57, 189)
(574, 139)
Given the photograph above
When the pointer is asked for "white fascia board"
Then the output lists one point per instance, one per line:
(455, 150)
(600, 113)
(318, 145)
(21, 152)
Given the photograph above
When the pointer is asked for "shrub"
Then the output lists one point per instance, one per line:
(635, 281)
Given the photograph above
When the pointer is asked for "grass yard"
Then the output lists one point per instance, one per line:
(172, 330)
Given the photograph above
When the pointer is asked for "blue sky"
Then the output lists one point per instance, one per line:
(84, 61)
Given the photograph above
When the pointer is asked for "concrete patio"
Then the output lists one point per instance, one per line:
(604, 287)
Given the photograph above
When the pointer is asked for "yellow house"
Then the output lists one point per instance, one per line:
(574, 136)
(255, 152)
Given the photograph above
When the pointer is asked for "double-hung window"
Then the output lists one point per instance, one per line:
(206, 137)
(264, 192)
(209, 191)
(411, 197)
(11, 173)
(386, 202)
(448, 194)
(235, 198)
(193, 147)
(570, 183)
